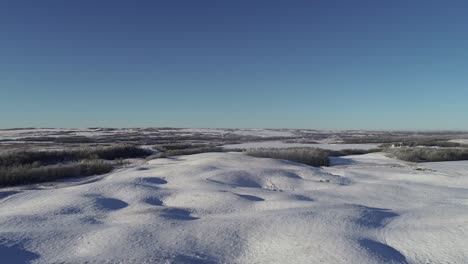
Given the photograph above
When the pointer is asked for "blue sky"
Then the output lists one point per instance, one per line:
(280, 64)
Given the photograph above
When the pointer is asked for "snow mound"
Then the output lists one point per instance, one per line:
(232, 208)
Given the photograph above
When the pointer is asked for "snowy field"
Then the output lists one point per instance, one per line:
(232, 208)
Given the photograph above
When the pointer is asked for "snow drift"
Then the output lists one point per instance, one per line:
(232, 208)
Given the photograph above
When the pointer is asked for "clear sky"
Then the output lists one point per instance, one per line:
(246, 63)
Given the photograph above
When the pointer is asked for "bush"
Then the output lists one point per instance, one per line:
(346, 152)
(429, 154)
(178, 146)
(301, 141)
(191, 151)
(38, 166)
(20, 158)
(75, 139)
(310, 156)
(118, 152)
(306, 155)
(409, 141)
(428, 143)
(179, 152)
(32, 174)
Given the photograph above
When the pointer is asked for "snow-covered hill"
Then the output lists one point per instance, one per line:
(232, 208)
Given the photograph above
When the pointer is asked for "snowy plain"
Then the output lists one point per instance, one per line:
(233, 208)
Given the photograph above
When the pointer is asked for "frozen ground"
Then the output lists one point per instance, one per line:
(232, 208)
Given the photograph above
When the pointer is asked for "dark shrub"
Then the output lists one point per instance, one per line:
(30, 174)
(179, 152)
(178, 146)
(346, 152)
(420, 154)
(310, 156)
(19, 158)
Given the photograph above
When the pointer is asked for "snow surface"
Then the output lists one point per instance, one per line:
(280, 144)
(461, 141)
(232, 208)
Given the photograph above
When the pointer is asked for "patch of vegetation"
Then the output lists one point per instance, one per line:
(32, 174)
(75, 139)
(421, 154)
(310, 156)
(346, 152)
(63, 140)
(20, 167)
(424, 143)
(37, 139)
(192, 151)
(405, 141)
(306, 155)
(20, 158)
(189, 151)
(301, 141)
(181, 146)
